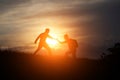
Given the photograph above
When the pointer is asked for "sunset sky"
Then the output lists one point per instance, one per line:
(95, 24)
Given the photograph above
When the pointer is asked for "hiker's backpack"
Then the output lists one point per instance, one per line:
(74, 43)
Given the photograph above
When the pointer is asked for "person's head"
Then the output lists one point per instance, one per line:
(47, 30)
(66, 37)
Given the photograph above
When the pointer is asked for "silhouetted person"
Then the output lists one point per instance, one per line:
(42, 42)
(72, 45)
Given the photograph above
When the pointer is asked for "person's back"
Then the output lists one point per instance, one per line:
(72, 43)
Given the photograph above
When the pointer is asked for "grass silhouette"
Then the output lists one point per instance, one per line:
(15, 65)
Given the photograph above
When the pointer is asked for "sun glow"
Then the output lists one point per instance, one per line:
(52, 42)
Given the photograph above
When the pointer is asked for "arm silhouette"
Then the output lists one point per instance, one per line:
(51, 37)
(37, 39)
(62, 42)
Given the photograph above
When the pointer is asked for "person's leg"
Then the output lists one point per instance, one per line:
(74, 53)
(39, 47)
(67, 53)
(48, 49)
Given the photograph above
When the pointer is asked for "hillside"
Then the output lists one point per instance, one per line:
(20, 66)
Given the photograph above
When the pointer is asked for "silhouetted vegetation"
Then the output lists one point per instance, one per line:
(16, 65)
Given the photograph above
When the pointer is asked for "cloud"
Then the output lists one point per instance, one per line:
(99, 18)
(108, 17)
(9, 4)
(103, 18)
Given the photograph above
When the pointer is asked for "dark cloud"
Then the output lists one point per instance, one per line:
(108, 18)
(12, 2)
(8, 4)
(105, 18)
(106, 25)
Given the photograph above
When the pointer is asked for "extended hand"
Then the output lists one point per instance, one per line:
(58, 40)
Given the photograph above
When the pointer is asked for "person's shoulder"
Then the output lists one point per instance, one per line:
(73, 39)
(41, 34)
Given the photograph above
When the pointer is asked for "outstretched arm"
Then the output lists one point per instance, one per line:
(50, 37)
(62, 42)
(36, 39)
(57, 39)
